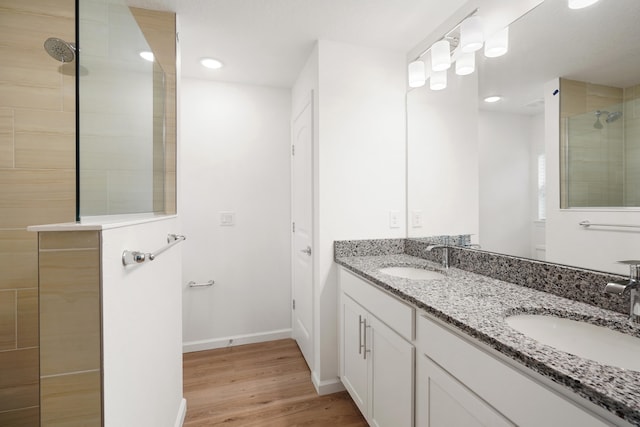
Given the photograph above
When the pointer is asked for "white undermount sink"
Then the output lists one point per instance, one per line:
(413, 273)
(597, 343)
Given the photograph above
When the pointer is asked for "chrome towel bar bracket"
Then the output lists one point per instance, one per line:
(138, 257)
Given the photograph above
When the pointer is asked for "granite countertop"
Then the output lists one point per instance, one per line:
(478, 305)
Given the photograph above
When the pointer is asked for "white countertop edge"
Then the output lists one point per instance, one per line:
(99, 223)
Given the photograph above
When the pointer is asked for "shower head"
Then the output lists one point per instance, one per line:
(598, 124)
(60, 50)
(612, 117)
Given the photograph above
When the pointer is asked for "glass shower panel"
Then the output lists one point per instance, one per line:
(120, 114)
(595, 160)
(631, 113)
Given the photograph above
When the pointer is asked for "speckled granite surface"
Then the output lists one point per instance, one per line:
(478, 305)
(344, 248)
(569, 282)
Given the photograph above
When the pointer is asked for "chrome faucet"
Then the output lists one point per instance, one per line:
(445, 252)
(619, 287)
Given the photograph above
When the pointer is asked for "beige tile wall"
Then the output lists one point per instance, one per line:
(70, 328)
(37, 183)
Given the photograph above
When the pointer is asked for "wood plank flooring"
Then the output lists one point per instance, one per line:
(266, 384)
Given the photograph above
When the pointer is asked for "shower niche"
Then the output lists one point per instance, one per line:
(599, 145)
(126, 110)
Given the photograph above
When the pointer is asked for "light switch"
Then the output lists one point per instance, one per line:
(416, 219)
(227, 219)
(394, 219)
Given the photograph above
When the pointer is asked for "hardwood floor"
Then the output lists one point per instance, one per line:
(266, 384)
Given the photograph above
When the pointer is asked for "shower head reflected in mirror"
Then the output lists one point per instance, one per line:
(60, 50)
(610, 117)
(597, 124)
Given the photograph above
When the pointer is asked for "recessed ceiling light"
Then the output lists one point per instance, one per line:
(147, 55)
(579, 4)
(211, 63)
(492, 99)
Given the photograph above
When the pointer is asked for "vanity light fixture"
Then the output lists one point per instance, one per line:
(441, 55)
(497, 44)
(438, 80)
(214, 64)
(471, 35)
(466, 63)
(579, 4)
(417, 76)
(145, 54)
(492, 99)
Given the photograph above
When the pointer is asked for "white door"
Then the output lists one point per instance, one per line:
(302, 231)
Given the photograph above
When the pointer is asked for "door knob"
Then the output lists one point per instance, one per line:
(306, 251)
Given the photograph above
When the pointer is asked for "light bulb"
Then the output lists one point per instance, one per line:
(416, 74)
(147, 55)
(466, 63)
(211, 63)
(440, 55)
(471, 36)
(438, 80)
(497, 44)
(579, 4)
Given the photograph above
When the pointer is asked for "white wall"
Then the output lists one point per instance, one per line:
(537, 136)
(235, 156)
(359, 168)
(142, 338)
(442, 158)
(506, 198)
(566, 241)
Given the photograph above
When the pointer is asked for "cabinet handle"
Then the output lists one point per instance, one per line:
(365, 339)
(360, 345)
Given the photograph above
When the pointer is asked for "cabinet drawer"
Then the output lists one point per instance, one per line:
(511, 391)
(390, 310)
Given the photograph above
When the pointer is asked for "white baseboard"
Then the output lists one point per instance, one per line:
(188, 347)
(327, 386)
(182, 413)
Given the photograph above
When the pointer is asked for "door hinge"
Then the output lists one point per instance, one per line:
(293, 150)
(294, 304)
(293, 227)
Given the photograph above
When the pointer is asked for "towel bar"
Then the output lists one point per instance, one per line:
(138, 257)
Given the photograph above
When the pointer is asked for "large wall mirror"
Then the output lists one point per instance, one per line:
(498, 172)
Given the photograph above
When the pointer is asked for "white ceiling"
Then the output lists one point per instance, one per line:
(266, 42)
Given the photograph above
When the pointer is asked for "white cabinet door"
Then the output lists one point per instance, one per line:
(354, 372)
(391, 363)
(449, 403)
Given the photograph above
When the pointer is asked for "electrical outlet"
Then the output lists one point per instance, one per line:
(227, 219)
(394, 219)
(416, 219)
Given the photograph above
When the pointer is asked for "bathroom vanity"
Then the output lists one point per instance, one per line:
(439, 352)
